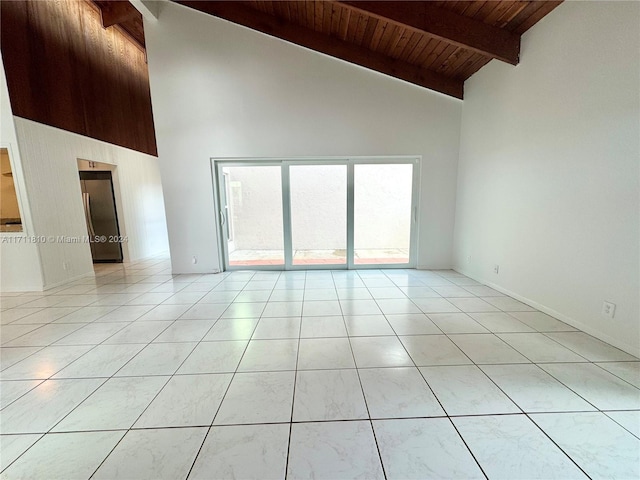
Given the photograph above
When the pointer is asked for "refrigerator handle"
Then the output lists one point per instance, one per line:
(87, 215)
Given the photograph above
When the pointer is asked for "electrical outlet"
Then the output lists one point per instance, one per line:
(469, 259)
(496, 269)
(194, 260)
(65, 266)
(608, 309)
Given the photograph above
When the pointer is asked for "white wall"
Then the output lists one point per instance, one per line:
(19, 260)
(220, 90)
(49, 161)
(548, 184)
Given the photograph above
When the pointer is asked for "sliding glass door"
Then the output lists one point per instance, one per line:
(301, 214)
(382, 213)
(318, 199)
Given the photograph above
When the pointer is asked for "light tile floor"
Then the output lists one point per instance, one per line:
(137, 373)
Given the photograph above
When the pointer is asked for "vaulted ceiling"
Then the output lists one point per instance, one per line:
(433, 44)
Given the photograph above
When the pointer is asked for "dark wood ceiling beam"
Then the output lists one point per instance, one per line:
(116, 12)
(244, 15)
(444, 25)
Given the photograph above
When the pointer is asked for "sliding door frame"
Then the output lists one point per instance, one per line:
(217, 178)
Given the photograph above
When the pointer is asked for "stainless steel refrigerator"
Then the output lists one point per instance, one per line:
(102, 219)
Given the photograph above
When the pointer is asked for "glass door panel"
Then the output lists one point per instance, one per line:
(382, 213)
(318, 198)
(251, 216)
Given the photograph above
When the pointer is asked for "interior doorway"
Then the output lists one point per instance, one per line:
(101, 216)
(327, 213)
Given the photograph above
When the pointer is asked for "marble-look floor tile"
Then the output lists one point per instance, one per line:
(487, 349)
(283, 309)
(43, 336)
(601, 447)
(542, 322)
(252, 296)
(115, 405)
(328, 395)
(412, 324)
(277, 327)
(433, 350)
(157, 359)
(456, 323)
(424, 448)
(232, 329)
(186, 400)
(367, 325)
(44, 363)
(11, 332)
(64, 456)
(540, 348)
(11, 390)
(473, 304)
(313, 327)
(483, 291)
(269, 355)
(396, 306)
(86, 314)
(184, 297)
(12, 446)
(102, 361)
(44, 406)
(500, 322)
(597, 386)
(323, 353)
(185, 331)
(9, 316)
(214, 357)
(435, 305)
(629, 419)
(398, 393)
(387, 293)
(451, 291)
(9, 356)
(379, 352)
(129, 313)
(153, 454)
(286, 295)
(353, 293)
(511, 446)
(414, 292)
(264, 397)
(244, 310)
(589, 347)
(508, 304)
(216, 296)
(139, 332)
(164, 312)
(628, 371)
(46, 315)
(321, 308)
(333, 450)
(360, 307)
(207, 311)
(227, 448)
(92, 334)
(150, 298)
(465, 390)
(534, 390)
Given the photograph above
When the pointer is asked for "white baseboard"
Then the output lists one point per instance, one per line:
(68, 280)
(630, 349)
(434, 267)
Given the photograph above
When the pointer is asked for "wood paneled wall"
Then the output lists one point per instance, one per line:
(63, 69)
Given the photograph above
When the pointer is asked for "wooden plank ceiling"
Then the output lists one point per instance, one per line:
(433, 44)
